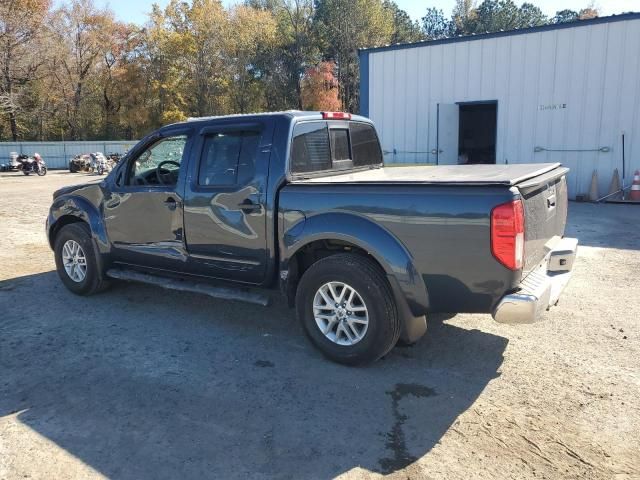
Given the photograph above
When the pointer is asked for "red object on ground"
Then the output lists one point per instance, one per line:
(635, 186)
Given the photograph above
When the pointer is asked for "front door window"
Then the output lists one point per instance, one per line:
(160, 163)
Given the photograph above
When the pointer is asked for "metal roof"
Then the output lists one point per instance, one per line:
(505, 33)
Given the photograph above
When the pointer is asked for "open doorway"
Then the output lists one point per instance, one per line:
(477, 132)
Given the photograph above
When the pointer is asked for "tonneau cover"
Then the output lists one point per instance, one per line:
(508, 175)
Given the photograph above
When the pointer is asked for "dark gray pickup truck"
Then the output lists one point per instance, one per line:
(232, 206)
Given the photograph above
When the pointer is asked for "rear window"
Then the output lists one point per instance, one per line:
(310, 151)
(366, 148)
(320, 146)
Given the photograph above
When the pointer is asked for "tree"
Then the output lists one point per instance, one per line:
(343, 27)
(294, 50)
(588, 13)
(498, 15)
(254, 31)
(563, 16)
(405, 30)
(20, 30)
(79, 29)
(320, 88)
(207, 30)
(464, 12)
(435, 25)
(531, 16)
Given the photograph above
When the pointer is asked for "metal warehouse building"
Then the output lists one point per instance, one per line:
(565, 93)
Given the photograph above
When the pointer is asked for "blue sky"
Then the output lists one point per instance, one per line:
(135, 10)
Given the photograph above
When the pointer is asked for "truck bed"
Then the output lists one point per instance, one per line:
(506, 175)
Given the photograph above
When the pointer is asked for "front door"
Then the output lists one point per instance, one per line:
(225, 212)
(448, 125)
(144, 211)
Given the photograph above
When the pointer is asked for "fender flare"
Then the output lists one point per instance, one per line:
(381, 244)
(79, 207)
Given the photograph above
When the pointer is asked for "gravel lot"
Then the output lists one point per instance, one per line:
(139, 382)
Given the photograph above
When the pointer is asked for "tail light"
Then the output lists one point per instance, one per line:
(336, 116)
(507, 234)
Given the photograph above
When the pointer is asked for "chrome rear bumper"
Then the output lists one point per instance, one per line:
(541, 289)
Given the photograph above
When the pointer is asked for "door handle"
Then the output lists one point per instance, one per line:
(551, 201)
(171, 203)
(248, 206)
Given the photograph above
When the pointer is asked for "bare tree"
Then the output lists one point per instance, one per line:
(20, 27)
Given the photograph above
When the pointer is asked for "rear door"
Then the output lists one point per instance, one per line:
(225, 215)
(545, 211)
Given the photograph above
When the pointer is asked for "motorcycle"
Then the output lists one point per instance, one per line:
(29, 165)
(103, 165)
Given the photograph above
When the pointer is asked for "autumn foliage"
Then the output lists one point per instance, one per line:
(320, 88)
(72, 70)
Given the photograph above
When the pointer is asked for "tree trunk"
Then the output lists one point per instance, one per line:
(14, 125)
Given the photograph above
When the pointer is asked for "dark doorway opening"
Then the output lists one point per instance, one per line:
(477, 133)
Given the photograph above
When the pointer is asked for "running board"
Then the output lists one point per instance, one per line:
(242, 295)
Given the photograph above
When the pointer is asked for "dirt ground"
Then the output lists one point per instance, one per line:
(139, 382)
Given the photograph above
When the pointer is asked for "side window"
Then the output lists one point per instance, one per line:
(228, 158)
(159, 164)
(365, 145)
(310, 150)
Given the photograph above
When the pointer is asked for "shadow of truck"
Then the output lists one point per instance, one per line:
(144, 383)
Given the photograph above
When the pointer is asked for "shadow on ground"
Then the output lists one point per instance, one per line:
(139, 382)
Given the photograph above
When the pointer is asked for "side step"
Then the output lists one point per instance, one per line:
(239, 294)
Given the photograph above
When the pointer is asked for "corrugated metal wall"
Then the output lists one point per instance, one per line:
(58, 154)
(592, 68)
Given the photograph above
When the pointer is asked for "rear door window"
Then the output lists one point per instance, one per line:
(228, 158)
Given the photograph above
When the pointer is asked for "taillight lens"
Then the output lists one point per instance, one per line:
(507, 234)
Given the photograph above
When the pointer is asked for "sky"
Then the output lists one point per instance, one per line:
(136, 10)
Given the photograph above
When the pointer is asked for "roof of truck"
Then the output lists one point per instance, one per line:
(297, 114)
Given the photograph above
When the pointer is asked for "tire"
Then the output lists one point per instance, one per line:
(25, 172)
(93, 280)
(370, 283)
(72, 169)
(42, 172)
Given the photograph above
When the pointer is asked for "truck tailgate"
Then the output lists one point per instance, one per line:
(545, 209)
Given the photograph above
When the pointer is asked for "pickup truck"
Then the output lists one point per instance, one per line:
(301, 202)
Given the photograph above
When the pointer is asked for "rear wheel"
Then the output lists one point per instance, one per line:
(76, 260)
(347, 309)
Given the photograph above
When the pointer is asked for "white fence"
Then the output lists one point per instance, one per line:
(58, 154)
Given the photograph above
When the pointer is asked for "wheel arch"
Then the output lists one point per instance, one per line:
(73, 209)
(343, 231)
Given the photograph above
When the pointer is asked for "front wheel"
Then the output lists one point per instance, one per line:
(76, 260)
(347, 310)
(42, 171)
